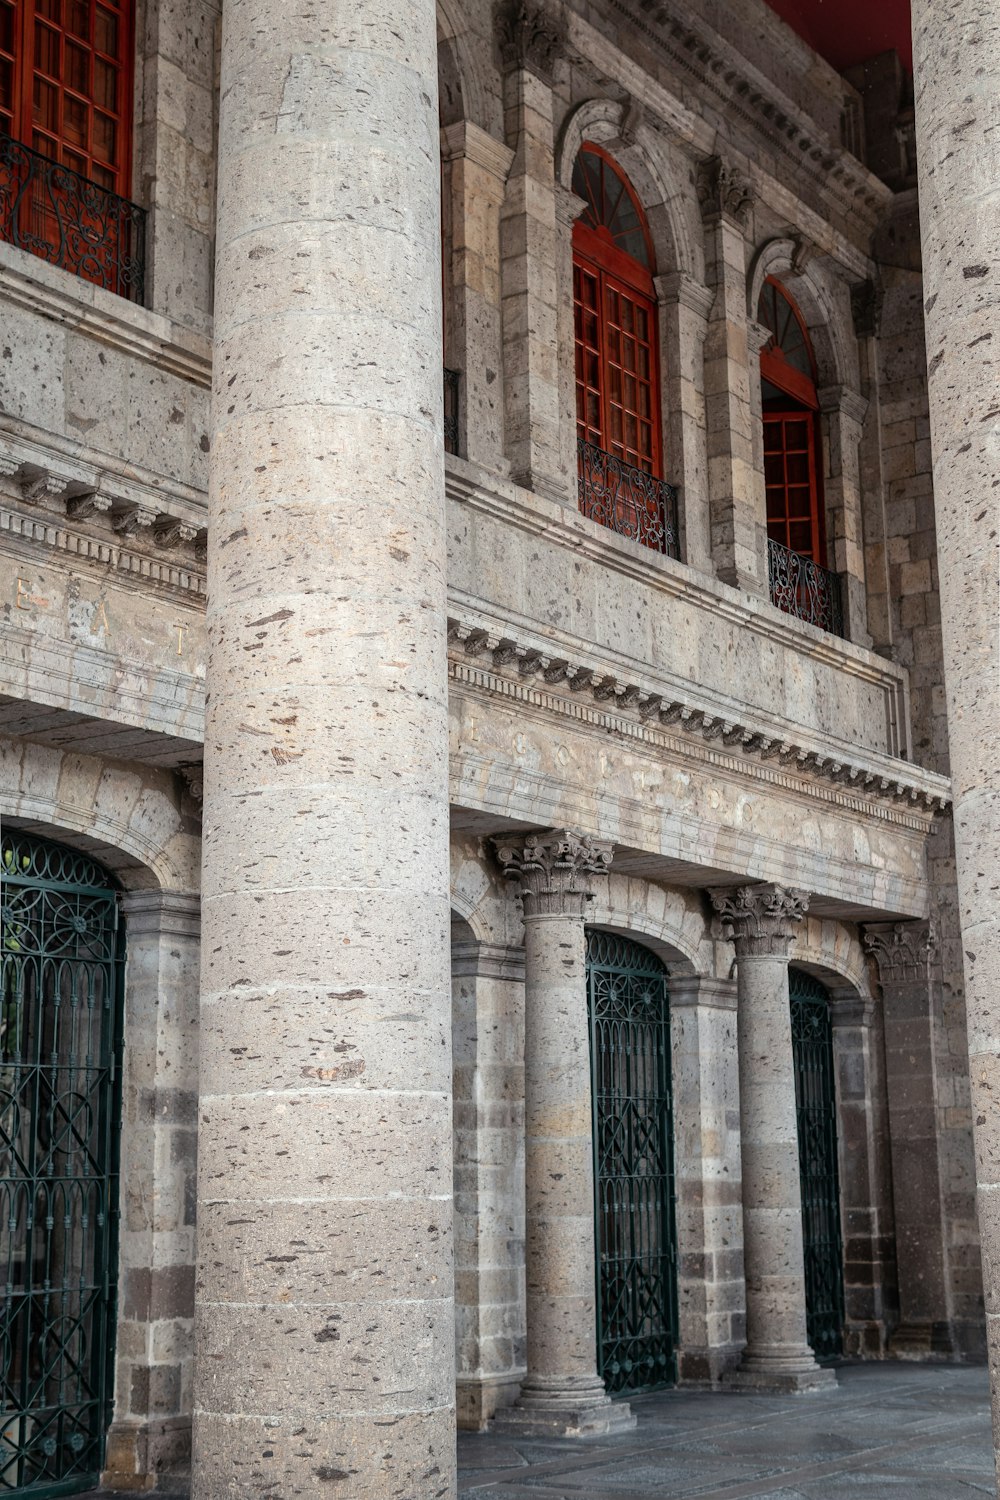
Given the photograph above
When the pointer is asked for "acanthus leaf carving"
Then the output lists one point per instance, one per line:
(724, 191)
(902, 950)
(530, 37)
(554, 870)
(760, 919)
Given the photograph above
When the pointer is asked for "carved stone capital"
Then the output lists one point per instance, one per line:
(679, 286)
(554, 870)
(530, 37)
(902, 950)
(723, 192)
(760, 919)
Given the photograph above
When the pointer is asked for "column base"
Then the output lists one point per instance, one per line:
(922, 1341)
(565, 1409)
(782, 1374)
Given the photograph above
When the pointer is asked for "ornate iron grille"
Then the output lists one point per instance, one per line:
(627, 499)
(60, 1114)
(451, 378)
(801, 587)
(816, 1102)
(633, 1165)
(69, 221)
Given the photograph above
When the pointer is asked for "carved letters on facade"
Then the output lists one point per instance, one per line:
(554, 870)
(760, 919)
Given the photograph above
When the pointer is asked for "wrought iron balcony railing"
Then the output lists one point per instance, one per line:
(451, 411)
(801, 587)
(70, 221)
(626, 499)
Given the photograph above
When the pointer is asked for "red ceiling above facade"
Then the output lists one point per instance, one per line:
(846, 32)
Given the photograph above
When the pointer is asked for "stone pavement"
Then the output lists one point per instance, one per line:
(904, 1432)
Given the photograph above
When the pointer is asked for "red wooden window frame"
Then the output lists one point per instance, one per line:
(66, 81)
(617, 349)
(792, 447)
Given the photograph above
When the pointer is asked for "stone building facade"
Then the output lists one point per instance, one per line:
(308, 694)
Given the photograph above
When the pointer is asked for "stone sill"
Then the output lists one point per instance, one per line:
(29, 282)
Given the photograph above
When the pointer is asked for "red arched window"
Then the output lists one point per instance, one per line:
(792, 463)
(617, 374)
(66, 84)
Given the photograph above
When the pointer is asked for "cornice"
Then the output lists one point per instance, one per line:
(500, 666)
(60, 489)
(754, 98)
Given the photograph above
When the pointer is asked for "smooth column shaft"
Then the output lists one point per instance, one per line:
(324, 1302)
(957, 92)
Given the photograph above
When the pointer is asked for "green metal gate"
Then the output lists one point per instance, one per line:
(816, 1102)
(633, 1165)
(62, 956)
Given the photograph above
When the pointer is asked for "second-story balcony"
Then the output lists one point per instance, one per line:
(627, 500)
(803, 588)
(69, 221)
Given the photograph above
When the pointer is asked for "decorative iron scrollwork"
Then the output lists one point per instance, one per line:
(627, 500)
(802, 588)
(451, 411)
(69, 221)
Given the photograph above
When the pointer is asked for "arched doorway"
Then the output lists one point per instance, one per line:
(61, 1033)
(816, 1106)
(628, 1005)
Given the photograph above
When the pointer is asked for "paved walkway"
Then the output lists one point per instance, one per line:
(903, 1432)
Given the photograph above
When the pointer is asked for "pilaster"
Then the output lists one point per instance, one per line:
(476, 170)
(738, 521)
(530, 39)
(684, 306)
(904, 953)
(843, 414)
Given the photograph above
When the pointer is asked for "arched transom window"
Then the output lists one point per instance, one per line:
(617, 379)
(792, 456)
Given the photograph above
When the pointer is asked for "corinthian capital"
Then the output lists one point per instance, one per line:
(902, 950)
(554, 870)
(530, 37)
(760, 918)
(723, 191)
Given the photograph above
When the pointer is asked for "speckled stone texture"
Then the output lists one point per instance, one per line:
(762, 921)
(562, 1392)
(324, 1300)
(957, 77)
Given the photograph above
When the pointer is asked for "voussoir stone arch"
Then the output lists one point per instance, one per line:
(464, 80)
(670, 923)
(832, 952)
(130, 818)
(823, 301)
(663, 186)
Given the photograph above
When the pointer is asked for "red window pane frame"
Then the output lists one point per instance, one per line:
(66, 81)
(617, 354)
(792, 466)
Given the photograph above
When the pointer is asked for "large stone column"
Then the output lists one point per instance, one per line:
(957, 87)
(902, 951)
(325, 1339)
(562, 1391)
(761, 920)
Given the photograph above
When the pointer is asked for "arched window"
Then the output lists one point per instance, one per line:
(617, 376)
(792, 457)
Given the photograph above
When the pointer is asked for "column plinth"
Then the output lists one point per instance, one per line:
(562, 1393)
(761, 921)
